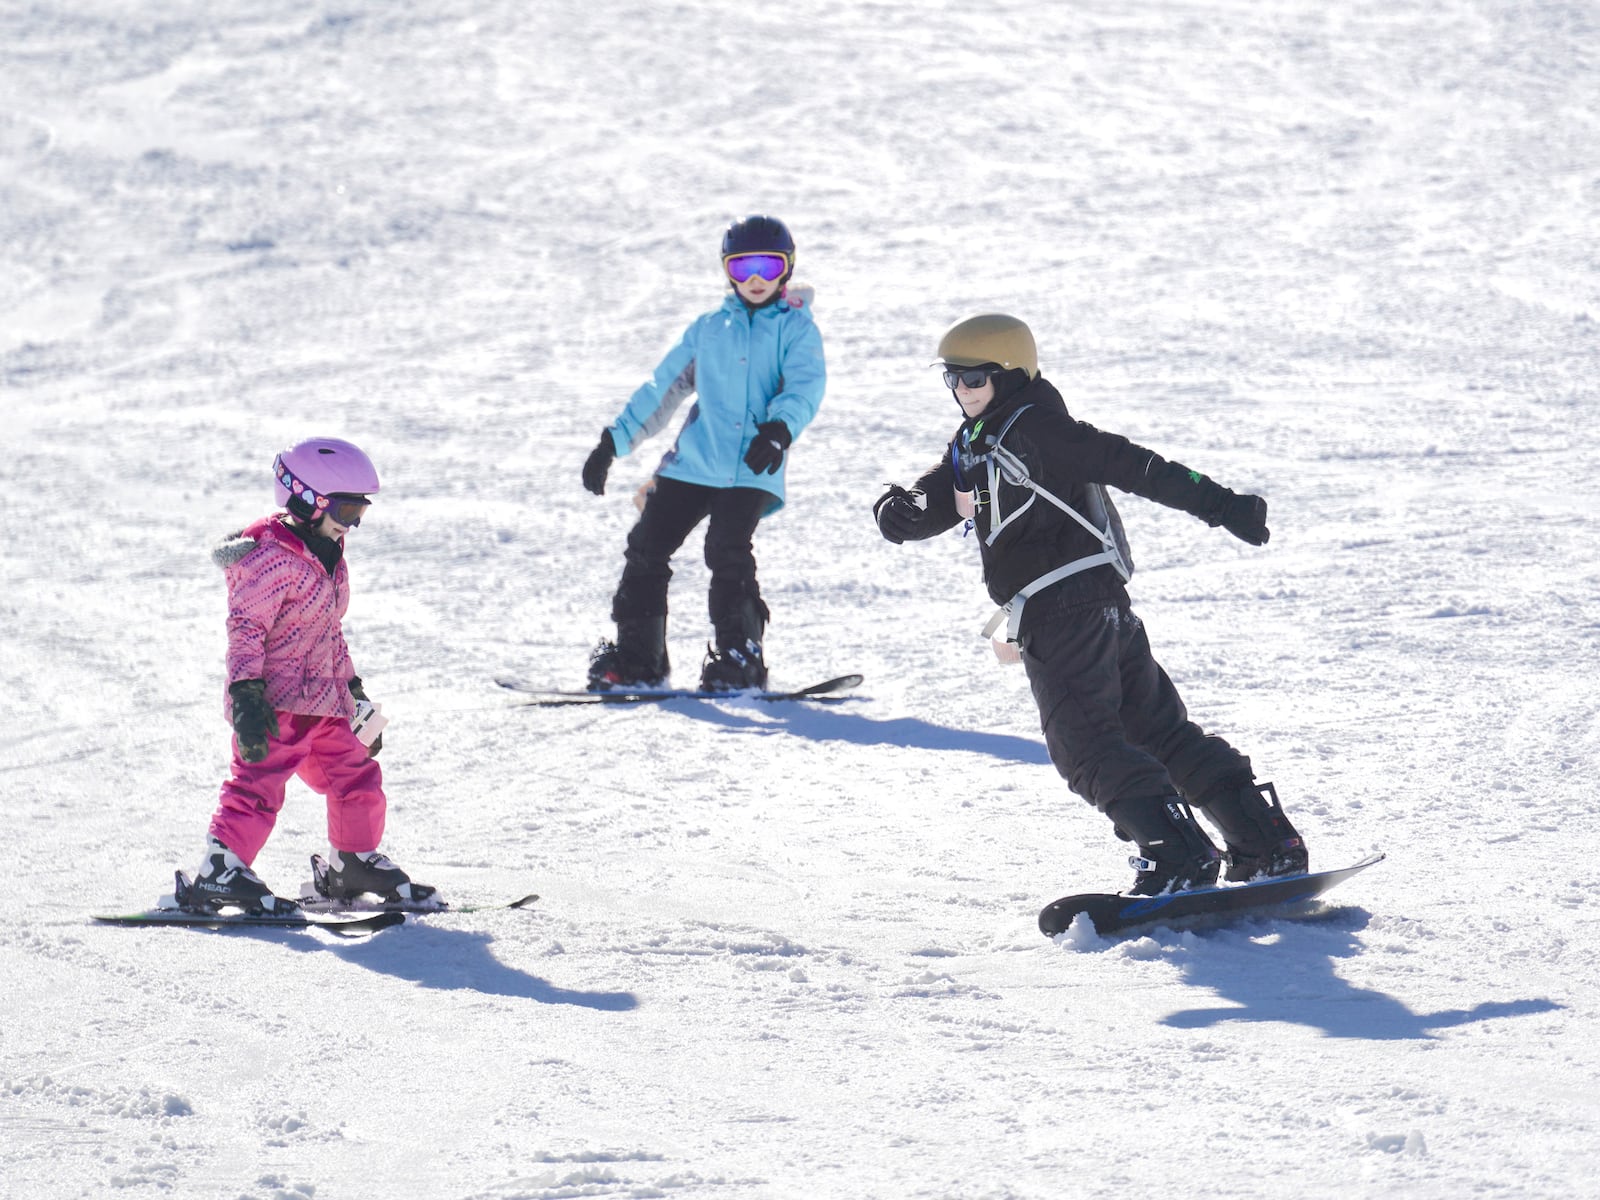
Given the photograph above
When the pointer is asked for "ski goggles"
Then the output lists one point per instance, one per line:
(347, 510)
(970, 378)
(741, 268)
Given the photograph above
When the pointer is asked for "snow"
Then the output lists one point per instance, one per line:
(1343, 255)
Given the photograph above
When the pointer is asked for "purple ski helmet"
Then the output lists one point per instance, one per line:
(307, 477)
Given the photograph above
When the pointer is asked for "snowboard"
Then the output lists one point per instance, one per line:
(827, 690)
(1117, 913)
(314, 898)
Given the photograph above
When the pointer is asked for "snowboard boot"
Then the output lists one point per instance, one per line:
(733, 669)
(1261, 842)
(637, 659)
(352, 874)
(736, 662)
(1175, 855)
(225, 880)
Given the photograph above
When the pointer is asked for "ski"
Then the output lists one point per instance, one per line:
(179, 917)
(314, 898)
(829, 690)
(1117, 913)
(325, 904)
(177, 910)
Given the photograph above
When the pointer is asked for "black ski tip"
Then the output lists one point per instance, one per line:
(525, 901)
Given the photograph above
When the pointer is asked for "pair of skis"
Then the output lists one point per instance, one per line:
(316, 910)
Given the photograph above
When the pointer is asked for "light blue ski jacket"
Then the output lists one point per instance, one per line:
(746, 368)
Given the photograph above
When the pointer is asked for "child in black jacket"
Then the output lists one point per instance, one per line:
(1031, 479)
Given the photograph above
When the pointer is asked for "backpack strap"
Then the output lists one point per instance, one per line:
(1005, 465)
(1010, 613)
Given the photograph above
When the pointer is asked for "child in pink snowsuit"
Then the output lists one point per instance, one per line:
(292, 690)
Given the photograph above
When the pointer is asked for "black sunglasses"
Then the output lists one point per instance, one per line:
(968, 377)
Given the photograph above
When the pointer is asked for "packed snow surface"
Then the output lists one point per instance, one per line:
(1343, 255)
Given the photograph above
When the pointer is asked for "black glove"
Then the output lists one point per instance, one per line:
(765, 455)
(898, 514)
(253, 718)
(360, 693)
(598, 463)
(1243, 516)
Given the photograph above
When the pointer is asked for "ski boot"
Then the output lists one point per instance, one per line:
(351, 875)
(1175, 855)
(637, 659)
(1261, 842)
(735, 663)
(225, 880)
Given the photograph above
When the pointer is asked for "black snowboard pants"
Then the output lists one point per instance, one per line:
(671, 511)
(1113, 722)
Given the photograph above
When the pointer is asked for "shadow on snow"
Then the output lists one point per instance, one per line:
(820, 724)
(458, 959)
(1298, 984)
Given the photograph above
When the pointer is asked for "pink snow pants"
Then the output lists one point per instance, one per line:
(328, 757)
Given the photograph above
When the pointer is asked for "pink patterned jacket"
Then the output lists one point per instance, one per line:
(283, 620)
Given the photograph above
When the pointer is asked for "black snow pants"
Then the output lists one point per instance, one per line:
(1113, 722)
(671, 512)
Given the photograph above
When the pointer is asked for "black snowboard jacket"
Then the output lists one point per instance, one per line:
(1064, 456)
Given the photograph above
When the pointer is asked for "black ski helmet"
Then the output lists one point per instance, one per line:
(760, 235)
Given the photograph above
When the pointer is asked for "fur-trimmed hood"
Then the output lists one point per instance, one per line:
(231, 548)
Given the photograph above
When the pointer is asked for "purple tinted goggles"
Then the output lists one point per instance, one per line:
(743, 267)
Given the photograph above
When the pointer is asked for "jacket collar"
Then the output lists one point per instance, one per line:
(734, 303)
(1038, 392)
(276, 530)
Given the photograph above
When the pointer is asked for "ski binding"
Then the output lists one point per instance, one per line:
(314, 898)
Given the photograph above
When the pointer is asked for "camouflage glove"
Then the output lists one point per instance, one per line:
(254, 720)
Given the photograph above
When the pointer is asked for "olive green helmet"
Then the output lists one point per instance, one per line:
(990, 338)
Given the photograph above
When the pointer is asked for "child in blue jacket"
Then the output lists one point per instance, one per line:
(755, 366)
